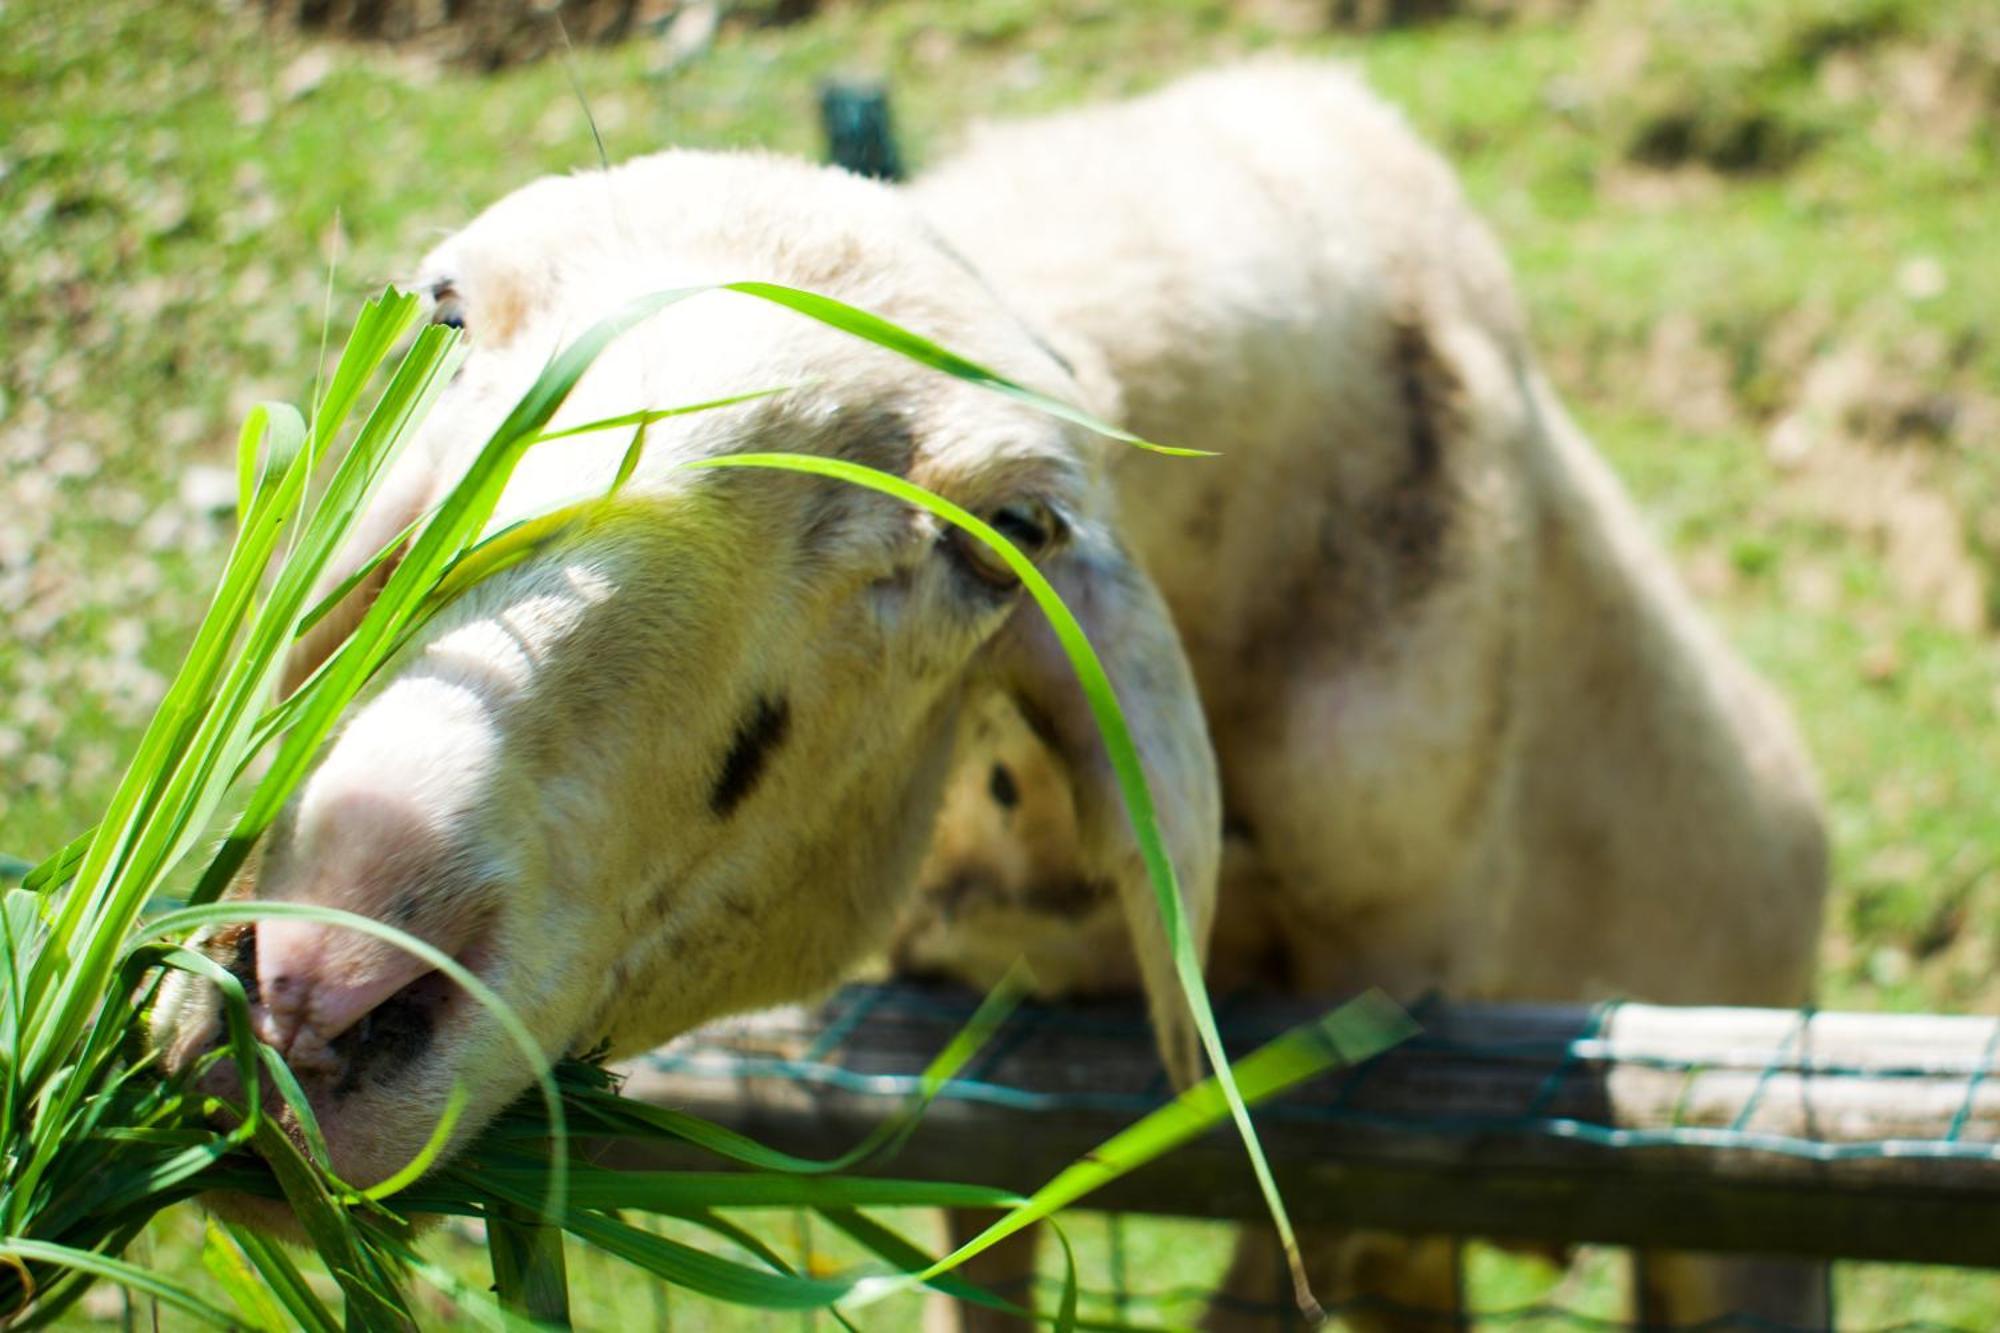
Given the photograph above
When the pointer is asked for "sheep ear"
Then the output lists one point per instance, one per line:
(398, 504)
(1127, 622)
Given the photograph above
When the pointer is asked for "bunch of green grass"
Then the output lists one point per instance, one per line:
(96, 1141)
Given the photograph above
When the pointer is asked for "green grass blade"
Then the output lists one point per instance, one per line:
(742, 1237)
(472, 1303)
(1358, 1030)
(381, 324)
(241, 1281)
(130, 1275)
(58, 869)
(1065, 1320)
(287, 1284)
(702, 1272)
(609, 1114)
(416, 382)
(339, 593)
(650, 415)
(319, 1214)
(697, 1270)
(451, 530)
(280, 430)
(427, 1156)
(67, 1285)
(186, 754)
(905, 1256)
(873, 328)
(503, 550)
(661, 1191)
(530, 1264)
(21, 934)
(900, 1253)
(61, 1108)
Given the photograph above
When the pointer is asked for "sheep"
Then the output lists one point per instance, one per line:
(1407, 643)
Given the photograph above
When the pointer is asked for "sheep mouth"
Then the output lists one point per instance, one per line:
(384, 1046)
(366, 1089)
(394, 1036)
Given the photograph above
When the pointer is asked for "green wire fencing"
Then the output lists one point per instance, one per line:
(1801, 1133)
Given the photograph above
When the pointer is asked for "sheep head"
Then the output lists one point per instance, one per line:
(685, 759)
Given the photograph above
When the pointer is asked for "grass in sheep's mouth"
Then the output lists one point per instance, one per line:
(385, 1042)
(94, 1140)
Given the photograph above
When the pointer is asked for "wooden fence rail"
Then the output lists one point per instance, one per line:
(1861, 1136)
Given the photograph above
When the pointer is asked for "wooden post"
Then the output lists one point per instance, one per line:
(1862, 1136)
(529, 1273)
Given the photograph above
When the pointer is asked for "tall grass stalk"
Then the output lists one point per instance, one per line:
(97, 1142)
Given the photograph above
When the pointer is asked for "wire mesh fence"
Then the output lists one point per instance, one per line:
(1835, 1136)
(1560, 1059)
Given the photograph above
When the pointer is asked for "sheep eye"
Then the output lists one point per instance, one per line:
(1029, 524)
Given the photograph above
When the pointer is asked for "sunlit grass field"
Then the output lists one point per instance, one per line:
(1757, 239)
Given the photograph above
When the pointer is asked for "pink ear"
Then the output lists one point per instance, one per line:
(399, 503)
(1127, 622)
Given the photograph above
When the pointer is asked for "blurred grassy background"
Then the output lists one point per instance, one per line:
(1760, 240)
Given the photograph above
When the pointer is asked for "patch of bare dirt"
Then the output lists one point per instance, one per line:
(1299, 18)
(1940, 92)
(494, 33)
(1680, 90)
(1656, 189)
(1687, 379)
(1853, 447)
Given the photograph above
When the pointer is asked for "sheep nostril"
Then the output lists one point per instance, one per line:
(318, 981)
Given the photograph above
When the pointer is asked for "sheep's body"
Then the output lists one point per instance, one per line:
(1472, 734)
(1467, 720)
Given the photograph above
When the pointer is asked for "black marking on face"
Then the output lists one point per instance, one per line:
(1001, 784)
(757, 737)
(1070, 899)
